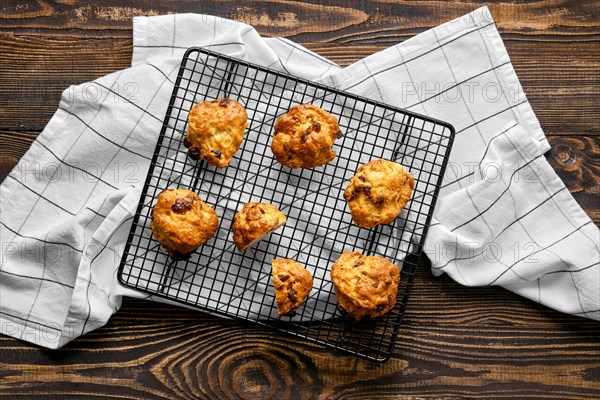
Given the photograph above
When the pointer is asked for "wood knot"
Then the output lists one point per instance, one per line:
(564, 155)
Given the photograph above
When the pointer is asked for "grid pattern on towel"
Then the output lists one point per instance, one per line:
(217, 277)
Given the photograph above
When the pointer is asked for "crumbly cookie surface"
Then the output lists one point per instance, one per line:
(304, 136)
(292, 284)
(366, 286)
(216, 130)
(253, 222)
(182, 222)
(378, 192)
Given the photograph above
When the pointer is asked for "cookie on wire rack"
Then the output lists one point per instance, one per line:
(365, 286)
(216, 130)
(292, 284)
(182, 222)
(378, 192)
(253, 222)
(304, 136)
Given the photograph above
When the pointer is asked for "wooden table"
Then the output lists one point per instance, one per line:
(456, 341)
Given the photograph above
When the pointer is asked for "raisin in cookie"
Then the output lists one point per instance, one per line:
(215, 131)
(253, 222)
(378, 192)
(303, 137)
(365, 286)
(182, 222)
(292, 284)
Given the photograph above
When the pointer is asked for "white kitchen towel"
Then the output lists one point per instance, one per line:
(67, 206)
(541, 246)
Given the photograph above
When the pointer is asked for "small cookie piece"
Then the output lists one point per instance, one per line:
(253, 222)
(304, 136)
(215, 131)
(365, 286)
(292, 284)
(182, 222)
(378, 192)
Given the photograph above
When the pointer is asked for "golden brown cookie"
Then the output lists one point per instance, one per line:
(292, 284)
(215, 131)
(365, 286)
(253, 222)
(182, 222)
(378, 192)
(304, 136)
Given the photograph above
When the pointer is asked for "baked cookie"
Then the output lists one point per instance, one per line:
(378, 192)
(292, 284)
(253, 222)
(304, 136)
(182, 222)
(365, 286)
(215, 131)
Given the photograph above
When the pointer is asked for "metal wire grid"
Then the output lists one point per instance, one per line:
(218, 278)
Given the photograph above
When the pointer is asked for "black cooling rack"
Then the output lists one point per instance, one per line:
(219, 279)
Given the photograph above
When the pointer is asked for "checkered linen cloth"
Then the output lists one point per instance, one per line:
(504, 217)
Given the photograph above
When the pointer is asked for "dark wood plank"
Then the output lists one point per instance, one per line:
(455, 342)
(577, 162)
(324, 20)
(41, 54)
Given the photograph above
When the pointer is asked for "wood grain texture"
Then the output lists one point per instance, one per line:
(577, 162)
(455, 342)
(43, 44)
